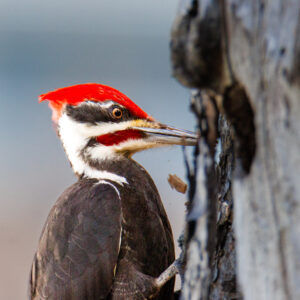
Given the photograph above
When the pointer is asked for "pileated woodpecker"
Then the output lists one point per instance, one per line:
(107, 236)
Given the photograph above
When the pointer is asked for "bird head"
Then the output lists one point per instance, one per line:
(96, 122)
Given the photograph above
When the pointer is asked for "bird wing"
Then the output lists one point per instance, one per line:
(79, 245)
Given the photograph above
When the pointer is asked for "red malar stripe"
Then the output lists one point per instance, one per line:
(119, 137)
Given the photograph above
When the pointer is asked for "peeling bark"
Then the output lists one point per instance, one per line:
(243, 60)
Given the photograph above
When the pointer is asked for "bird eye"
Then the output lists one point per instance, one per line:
(117, 113)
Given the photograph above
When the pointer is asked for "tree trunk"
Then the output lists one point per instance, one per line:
(243, 60)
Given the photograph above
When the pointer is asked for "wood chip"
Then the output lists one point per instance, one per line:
(177, 184)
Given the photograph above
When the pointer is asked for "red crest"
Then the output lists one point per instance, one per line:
(89, 91)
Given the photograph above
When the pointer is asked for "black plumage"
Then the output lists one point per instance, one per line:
(103, 240)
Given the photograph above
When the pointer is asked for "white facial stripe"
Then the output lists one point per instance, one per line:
(74, 141)
(108, 104)
(89, 131)
(101, 152)
(105, 104)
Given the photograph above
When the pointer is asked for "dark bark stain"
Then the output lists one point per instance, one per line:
(240, 114)
(196, 47)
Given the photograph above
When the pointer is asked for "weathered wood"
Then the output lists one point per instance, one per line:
(245, 57)
(201, 226)
(264, 53)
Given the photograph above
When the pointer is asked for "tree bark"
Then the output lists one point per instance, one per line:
(242, 58)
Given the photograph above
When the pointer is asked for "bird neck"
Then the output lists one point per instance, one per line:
(87, 157)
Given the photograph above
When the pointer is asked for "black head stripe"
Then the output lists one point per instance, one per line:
(93, 113)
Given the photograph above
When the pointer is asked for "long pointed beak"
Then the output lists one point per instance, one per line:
(163, 134)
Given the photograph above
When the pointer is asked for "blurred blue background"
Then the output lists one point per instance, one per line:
(45, 45)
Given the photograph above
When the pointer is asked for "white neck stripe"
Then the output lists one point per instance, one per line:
(104, 175)
(113, 186)
(74, 140)
(105, 104)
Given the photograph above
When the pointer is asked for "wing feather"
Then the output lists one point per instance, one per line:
(79, 245)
